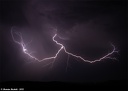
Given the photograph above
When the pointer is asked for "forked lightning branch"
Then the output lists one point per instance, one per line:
(62, 47)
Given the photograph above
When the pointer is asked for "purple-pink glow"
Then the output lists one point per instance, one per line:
(62, 47)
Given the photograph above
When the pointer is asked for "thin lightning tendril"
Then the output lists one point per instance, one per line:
(62, 47)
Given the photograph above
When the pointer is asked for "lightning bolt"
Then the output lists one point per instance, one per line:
(62, 47)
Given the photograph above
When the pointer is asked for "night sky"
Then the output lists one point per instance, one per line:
(84, 27)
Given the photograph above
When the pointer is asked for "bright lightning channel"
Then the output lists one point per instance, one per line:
(62, 47)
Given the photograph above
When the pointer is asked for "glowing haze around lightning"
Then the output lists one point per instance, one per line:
(62, 47)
